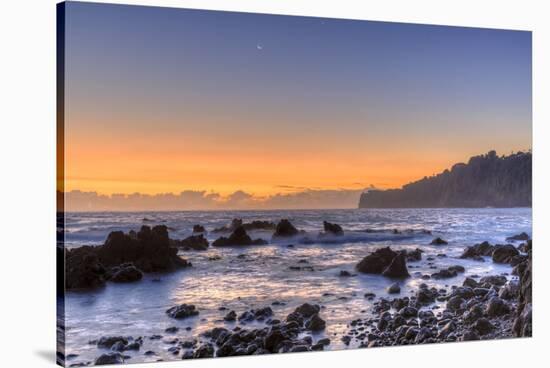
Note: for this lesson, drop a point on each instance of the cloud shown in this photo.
(203, 200)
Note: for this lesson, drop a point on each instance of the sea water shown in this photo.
(243, 278)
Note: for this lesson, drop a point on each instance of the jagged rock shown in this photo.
(109, 358)
(426, 296)
(509, 291)
(470, 336)
(182, 311)
(285, 229)
(478, 250)
(239, 237)
(497, 307)
(204, 351)
(504, 253)
(455, 303)
(199, 229)
(107, 342)
(483, 326)
(230, 316)
(523, 323)
(394, 288)
(83, 269)
(414, 255)
(334, 229)
(397, 268)
(526, 247)
(518, 237)
(126, 272)
(307, 310)
(377, 261)
(444, 274)
(315, 323)
(195, 242)
(438, 241)
(148, 250)
(497, 280)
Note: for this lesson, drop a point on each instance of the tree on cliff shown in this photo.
(485, 181)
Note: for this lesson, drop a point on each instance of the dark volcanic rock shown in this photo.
(394, 288)
(83, 269)
(397, 268)
(126, 272)
(307, 310)
(504, 253)
(448, 273)
(285, 229)
(148, 250)
(238, 237)
(518, 237)
(199, 229)
(110, 358)
(230, 316)
(438, 241)
(315, 323)
(414, 255)
(107, 342)
(425, 295)
(523, 323)
(235, 223)
(496, 307)
(377, 261)
(334, 229)
(195, 242)
(483, 326)
(478, 250)
(182, 311)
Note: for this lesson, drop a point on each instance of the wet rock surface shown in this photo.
(148, 250)
(193, 242)
(238, 237)
(386, 262)
(285, 229)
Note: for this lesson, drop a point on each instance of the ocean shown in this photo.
(243, 278)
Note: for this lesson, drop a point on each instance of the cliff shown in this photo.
(485, 181)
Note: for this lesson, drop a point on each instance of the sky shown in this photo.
(163, 101)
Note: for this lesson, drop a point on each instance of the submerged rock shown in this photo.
(414, 255)
(438, 241)
(110, 358)
(333, 229)
(394, 288)
(182, 311)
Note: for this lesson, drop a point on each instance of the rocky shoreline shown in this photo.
(481, 308)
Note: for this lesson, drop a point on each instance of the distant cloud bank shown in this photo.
(203, 200)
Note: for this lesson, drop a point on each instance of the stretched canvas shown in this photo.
(241, 184)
